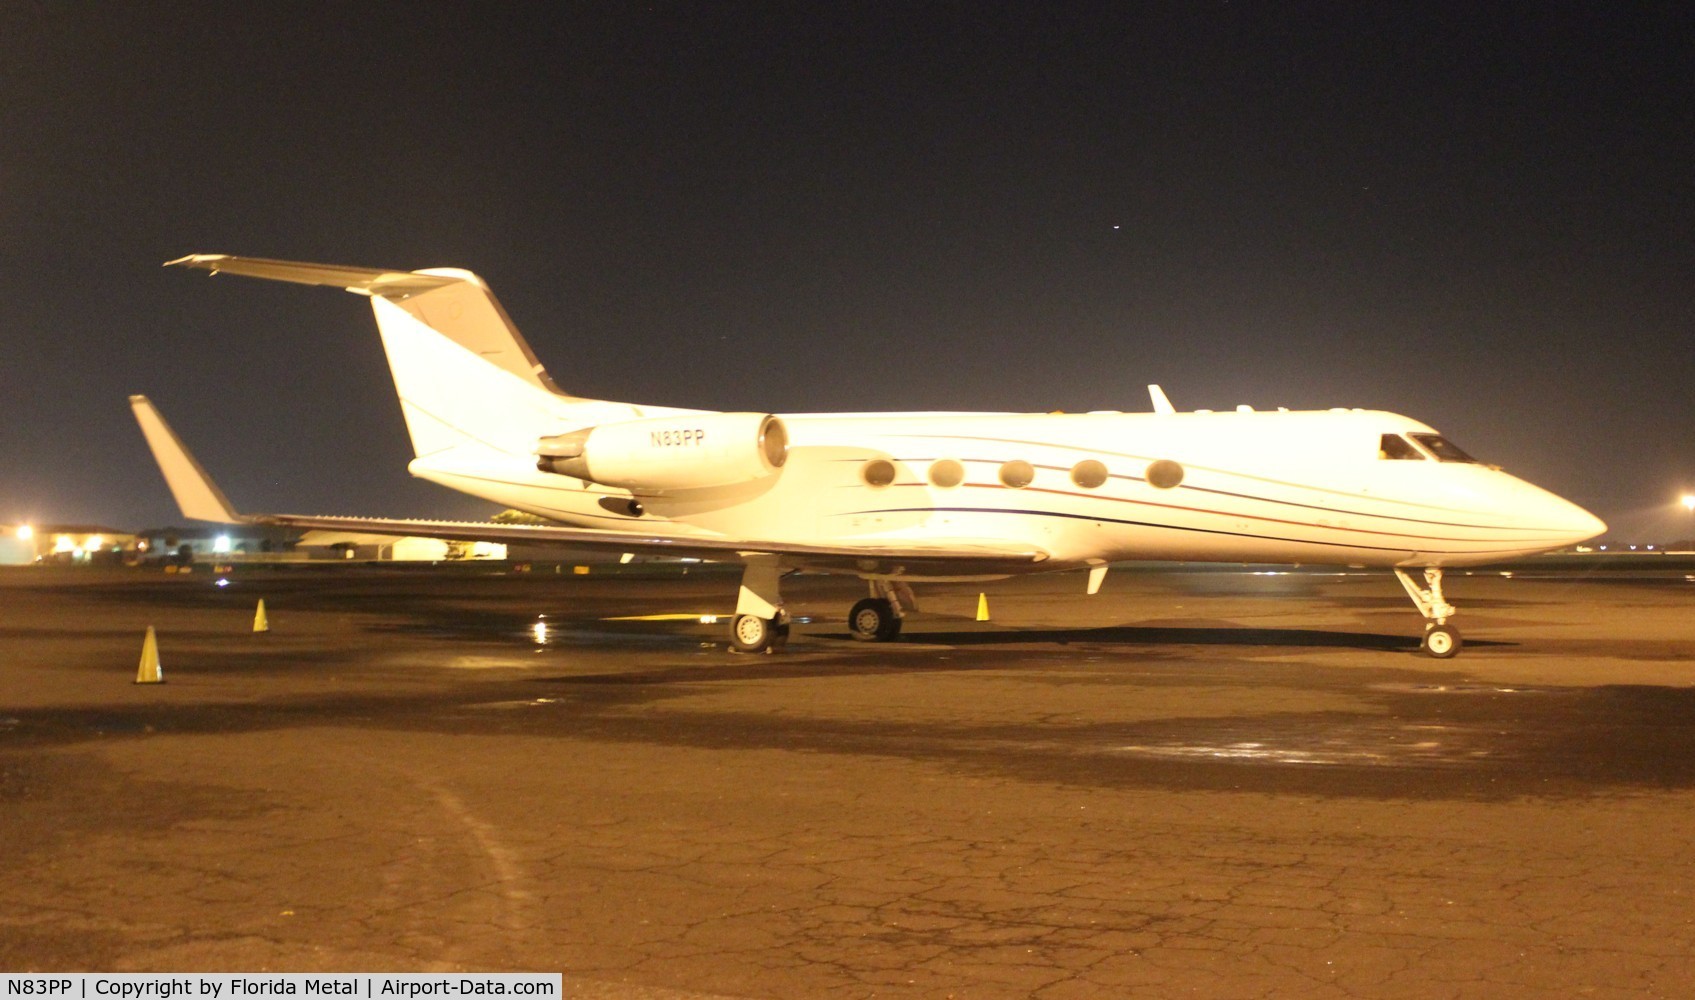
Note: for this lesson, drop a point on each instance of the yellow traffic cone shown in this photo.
(982, 607)
(260, 622)
(150, 672)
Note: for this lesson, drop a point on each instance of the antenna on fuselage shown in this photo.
(1161, 404)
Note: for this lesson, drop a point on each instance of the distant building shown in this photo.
(207, 544)
(63, 543)
(17, 544)
(384, 548)
(22, 544)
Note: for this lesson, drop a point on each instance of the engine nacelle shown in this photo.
(670, 453)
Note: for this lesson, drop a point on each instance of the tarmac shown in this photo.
(1196, 783)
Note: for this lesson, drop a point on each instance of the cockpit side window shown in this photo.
(1396, 449)
(1442, 448)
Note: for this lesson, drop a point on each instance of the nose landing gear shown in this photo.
(1441, 640)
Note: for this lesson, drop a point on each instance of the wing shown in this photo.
(200, 499)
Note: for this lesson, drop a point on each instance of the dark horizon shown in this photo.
(1477, 218)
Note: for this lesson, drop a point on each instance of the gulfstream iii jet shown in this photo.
(898, 498)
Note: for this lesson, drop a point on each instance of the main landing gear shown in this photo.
(762, 626)
(1441, 640)
(753, 634)
(878, 617)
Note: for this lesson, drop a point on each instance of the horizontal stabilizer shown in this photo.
(360, 280)
(199, 497)
(452, 302)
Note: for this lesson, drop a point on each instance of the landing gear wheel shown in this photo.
(873, 620)
(753, 634)
(1441, 641)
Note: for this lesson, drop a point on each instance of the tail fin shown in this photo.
(433, 322)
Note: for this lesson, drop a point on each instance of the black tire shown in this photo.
(873, 620)
(753, 634)
(1440, 641)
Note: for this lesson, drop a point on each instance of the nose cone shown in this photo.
(1584, 525)
(1549, 521)
(1566, 522)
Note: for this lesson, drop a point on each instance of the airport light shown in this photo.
(25, 532)
(1689, 502)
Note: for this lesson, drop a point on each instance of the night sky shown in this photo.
(1478, 215)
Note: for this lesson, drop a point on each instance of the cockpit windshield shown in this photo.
(1396, 449)
(1442, 448)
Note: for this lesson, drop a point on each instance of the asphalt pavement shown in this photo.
(1211, 783)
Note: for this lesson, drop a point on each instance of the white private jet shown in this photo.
(898, 498)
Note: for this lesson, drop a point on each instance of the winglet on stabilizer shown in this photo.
(1161, 404)
(199, 497)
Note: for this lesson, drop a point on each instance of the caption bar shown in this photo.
(251, 985)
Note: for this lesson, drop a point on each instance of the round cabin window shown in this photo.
(947, 472)
(1088, 474)
(878, 472)
(1164, 474)
(1018, 474)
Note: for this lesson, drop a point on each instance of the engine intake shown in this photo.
(693, 451)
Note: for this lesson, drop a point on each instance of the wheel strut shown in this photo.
(1441, 640)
